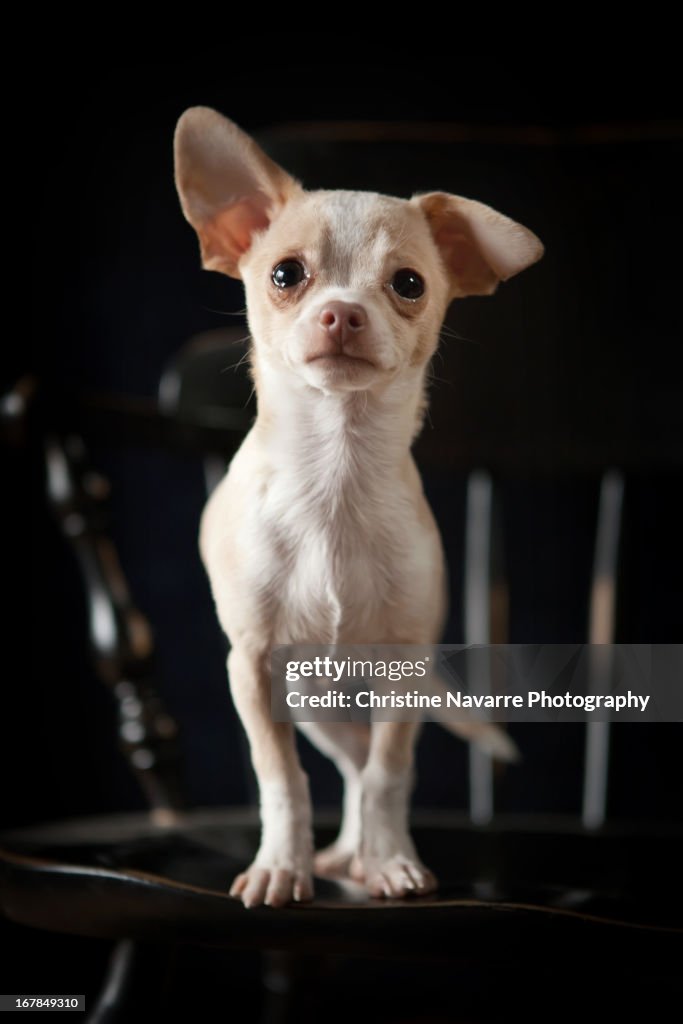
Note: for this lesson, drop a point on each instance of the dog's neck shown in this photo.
(329, 441)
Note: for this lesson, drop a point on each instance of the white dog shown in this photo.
(320, 531)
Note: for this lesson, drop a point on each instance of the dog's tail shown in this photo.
(488, 737)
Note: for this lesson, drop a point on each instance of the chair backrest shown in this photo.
(484, 575)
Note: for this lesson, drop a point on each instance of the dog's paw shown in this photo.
(393, 877)
(334, 861)
(272, 887)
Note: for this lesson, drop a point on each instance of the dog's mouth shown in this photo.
(338, 360)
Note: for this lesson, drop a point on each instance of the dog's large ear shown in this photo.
(228, 187)
(479, 246)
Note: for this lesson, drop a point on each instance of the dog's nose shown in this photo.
(340, 319)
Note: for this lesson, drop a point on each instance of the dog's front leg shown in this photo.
(387, 862)
(282, 868)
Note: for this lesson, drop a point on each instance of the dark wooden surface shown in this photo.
(514, 889)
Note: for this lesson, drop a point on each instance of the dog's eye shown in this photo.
(288, 274)
(408, 284)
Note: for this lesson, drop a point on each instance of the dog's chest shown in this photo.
(341, 565)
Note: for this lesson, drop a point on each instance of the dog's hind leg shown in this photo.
(348, 745)
(387, 862)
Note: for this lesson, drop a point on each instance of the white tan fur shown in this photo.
(320, 531)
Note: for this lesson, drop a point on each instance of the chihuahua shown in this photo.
(320, 531)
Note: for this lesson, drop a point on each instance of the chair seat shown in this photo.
(121, 876)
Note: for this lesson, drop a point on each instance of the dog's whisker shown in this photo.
(434, 379)
(244, 358)
(448, 332)
(225, 312)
